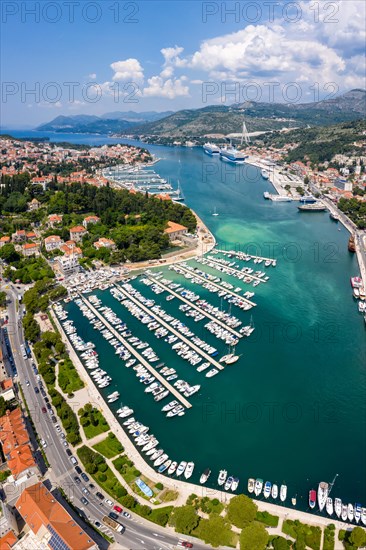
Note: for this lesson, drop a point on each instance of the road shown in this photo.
(139, 533)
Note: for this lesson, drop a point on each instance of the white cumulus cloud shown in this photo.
(170, 89)
(128, 70)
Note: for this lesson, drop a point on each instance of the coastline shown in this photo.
(184, 488)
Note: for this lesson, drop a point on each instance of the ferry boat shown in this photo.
(312, 207)
(264, 174)
(267, 489)
(312, 498)
(251, 483)
(230, 154)
(211, 149)
(205, 475)
(222, 477)
(323, 489)
(258, 487)
(283, 493)
(338, 507)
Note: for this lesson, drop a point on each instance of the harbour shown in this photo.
(291, 375)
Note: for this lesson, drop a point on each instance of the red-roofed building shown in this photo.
(90, 219)
(105, 243)
(8, 540)
(50, 522)
(4, 240)
(53, 242)
(77, 233)
(54, 219)
(19, 236)
(30, 249)
(175, 230)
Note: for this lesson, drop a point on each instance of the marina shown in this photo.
(303, 293)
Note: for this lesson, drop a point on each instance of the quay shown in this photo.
(219, 287)
(194, 306)
(171, 329)
(139, 357)
(236, 254)
(233, 270)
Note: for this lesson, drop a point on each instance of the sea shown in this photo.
(292, 409)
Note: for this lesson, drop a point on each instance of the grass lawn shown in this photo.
(168, 495)
(111, 485)
(95, 423)
(109, 447)
(267, 519)
(68, 377)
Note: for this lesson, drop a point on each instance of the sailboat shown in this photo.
(214, 212)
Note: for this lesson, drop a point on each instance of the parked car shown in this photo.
(68, 452)
(73, 460)
(126, 515)
(27, 382)
(108, 501)
(36, 389)
(54, 419)
(84, 501)
(187, 544)
(99, 495)
(77, 480)
(97, 523)
(44, 410)
(78, 469)
(85, 477)
(113, 515)
(91, 486)
(58, 427)
(85, 491)
(117, 509)
(43, 443)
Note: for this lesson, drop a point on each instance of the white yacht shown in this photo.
(189, 470)
(251, 483)
(205, 475)
(181, 468)
(222, 477)
(258, 487)
(323, 489)
(283, 493)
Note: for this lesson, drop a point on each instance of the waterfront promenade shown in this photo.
(91, 395)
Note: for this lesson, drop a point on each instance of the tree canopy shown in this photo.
(241, 510)
(184, 519)
(253, 537)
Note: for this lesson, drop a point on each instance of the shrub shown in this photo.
(102, 478)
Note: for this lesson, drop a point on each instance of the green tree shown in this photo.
(241, 510)
(280, 544)
(3, 406)
(358, 537)
(9, 254)
(253, 537)
(184, 519)
(215, 531)
(2, 299)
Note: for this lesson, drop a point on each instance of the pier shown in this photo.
(236, 254)
(219, 287)
(139, 357)
(232, 269)
(194, 306)
(172, 329)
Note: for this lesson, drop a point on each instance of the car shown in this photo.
(27, 382)
(36, 389)
(117, 509)
(44, 410)
(73, 460)
(99, 495)
(58, 428)
(91, 486)
(65, 443)
(84, 501)
(46, 400)
(77, 480)
(43, 393)
(62, 435)
(85, 477)
(54, 419)
(97, 523)
(68, 452)
(112, 515)
(186, 544)
(78, 469)
(38, 377)
(48, 405)
(126, 515)
(43, 443)
(86, 491)
(108, 501)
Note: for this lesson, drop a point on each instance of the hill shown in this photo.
(320, 144)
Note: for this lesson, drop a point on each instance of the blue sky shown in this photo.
(168, 55)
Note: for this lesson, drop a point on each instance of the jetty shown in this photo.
(219, 287)
(170, 328)
(135, 353)
(194, 306)
(231, 270)
(240, 253)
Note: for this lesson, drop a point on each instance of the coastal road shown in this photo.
(139, 533)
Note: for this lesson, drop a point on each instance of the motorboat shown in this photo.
(267, 489)
(189, 470)
(323, 489)
(228, 483)
(329, 506)
(181, 468)
(235, 484)
(258, 486)
(283, 493)
(338, 507)
(312, 498)
(222, 477)
(251, 483)
(172, 468)
(205, 475)
(274, 492)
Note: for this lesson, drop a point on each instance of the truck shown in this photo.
(113, 524)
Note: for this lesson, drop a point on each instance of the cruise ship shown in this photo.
(230, 154)
(211, 149)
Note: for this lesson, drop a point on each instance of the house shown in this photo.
(53, 242)
(33, 205)
(54, 219)
(90, 219)
(105, 243)
(19, 236)
(43, 180)
(50, 522)
(69, 247)
(31, 235)
(15, 443)
(4, 240)
(30, 249)
(175, 231)
(77, 233)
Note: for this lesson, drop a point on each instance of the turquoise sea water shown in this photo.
(293, 408)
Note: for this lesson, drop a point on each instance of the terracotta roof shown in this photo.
(13, 433)
(90, 218)
(28, 246)
(40, 509)
(77, 229)
(52, 238)
(20, 460)
(173, 227)
(8, 540)
(55, 217)
(5, 239)
(6, 384)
